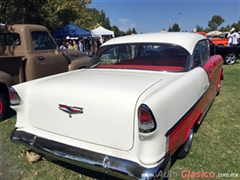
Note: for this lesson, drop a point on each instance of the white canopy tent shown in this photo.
(100, 31)
(214, 33)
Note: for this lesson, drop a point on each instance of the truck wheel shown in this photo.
(185, 148)
(3, 106)
(230, 59)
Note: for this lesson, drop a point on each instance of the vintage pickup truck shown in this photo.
(29, 52)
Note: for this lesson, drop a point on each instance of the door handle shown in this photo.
(40, 58)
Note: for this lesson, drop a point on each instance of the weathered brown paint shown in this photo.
(20, 63)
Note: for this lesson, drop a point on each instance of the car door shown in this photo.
(46, 59)
(211, 65)
(202, 58)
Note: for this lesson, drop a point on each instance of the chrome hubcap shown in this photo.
(230, 59)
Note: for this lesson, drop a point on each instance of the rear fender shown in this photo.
(196, 121)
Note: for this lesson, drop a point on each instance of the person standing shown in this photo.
(233, 38)
(94, 46)
(72, 45)
(63, 45)
(80, 44)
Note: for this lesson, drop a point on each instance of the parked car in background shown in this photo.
(229, 54)
(136, 104)
(220, 40)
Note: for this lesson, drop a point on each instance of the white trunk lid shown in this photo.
(107, 99)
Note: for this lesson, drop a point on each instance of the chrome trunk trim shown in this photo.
(103, 163)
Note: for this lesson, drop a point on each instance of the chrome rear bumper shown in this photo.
(110, 165)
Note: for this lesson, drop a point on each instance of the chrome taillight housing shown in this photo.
(146, 120)
(14, 97)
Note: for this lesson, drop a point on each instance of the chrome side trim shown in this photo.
(110, 165)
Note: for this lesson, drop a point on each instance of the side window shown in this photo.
(201, 53)
(196, 57)
(204, 51)
(10, 39)
(42, 41)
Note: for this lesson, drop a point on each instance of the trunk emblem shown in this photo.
(70, 109)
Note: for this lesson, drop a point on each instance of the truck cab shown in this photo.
(28, 52)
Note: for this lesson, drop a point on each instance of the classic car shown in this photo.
(126, 114)
(220, 40)
(229, 54)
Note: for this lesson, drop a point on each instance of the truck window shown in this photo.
(42, 41)
(10, 39)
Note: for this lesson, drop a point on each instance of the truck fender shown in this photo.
(79, 63)
(6, 79)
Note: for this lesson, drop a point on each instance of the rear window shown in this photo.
(145, 56)
(10, 39)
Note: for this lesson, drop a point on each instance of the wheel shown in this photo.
(230, 59)
(3, 106)
(185, 148)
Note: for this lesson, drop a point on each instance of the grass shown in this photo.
(215, 149)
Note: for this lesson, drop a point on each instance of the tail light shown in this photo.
(146, 120)
(14, 97)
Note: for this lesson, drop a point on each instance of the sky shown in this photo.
(154, 15)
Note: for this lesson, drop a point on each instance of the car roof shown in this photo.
(185, 39)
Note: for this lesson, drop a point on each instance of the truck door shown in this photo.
(45, 59)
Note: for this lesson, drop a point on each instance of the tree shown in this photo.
(129, 32)
(235, 25)
(225, 29)
(134, 31)
(52, 14)
(28, 11)
(175, 28)
(3, 10)
(59, 13)
(199, 28)
(215, 22)
(102, 20)
(116, 31)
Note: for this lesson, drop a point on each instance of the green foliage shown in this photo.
(27, 11)
(199, 28)
(131, 31)
(102, 20)
(175, 28)
(51, 13)
(134, 31)
(215, 22)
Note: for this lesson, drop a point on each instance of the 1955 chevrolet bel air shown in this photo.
(134, 106)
